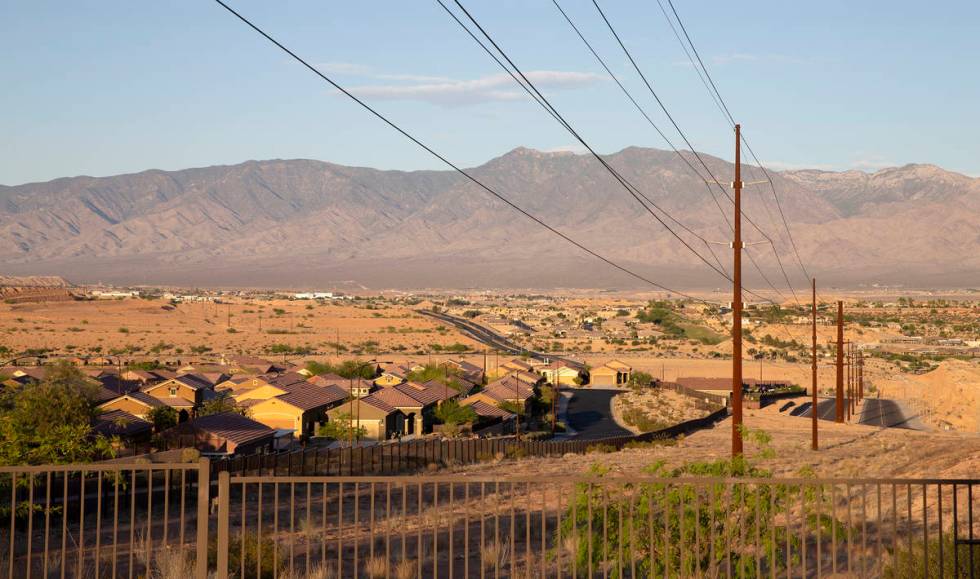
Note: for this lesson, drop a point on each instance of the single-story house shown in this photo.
(563, 373)
(415, 411)
(225, 433)
(299, 409)
(507, 389)
(612, 373)
(122, 424)
(135, 403)
(379, 419)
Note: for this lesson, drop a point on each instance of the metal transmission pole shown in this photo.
(737, 303)
(839, 395)
(813, 369)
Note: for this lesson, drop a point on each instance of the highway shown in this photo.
(483, 335)
(488, 337)
(588, 412)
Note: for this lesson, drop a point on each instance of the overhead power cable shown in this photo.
(663, 107)
(528, 86)
(449, 163)
(670, 143)
(716, 95)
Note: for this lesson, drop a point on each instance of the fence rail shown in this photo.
(553, 527)
(413, 456)
(142, 520)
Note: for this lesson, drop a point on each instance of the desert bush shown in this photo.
(247, 548)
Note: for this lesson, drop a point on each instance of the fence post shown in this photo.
(203, 500)
(224, 513)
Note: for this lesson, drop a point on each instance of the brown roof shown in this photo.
(488, 410)
(424, 393)
(325, 379)
(306, 396)
(141, 397)
(285, 380)
(194, 381)
(698, 383)
(120, 423)
(397, 398)
(512, 386)
(232, 427)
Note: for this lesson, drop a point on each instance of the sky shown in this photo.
(103, 87)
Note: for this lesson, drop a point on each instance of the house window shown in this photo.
(173, 391)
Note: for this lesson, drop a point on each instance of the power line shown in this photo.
(663, 107)
(664, 136)
(731, 119)
(643, 112)
(449, 163)
(536, 95)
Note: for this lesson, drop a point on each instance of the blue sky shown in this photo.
(106, 87)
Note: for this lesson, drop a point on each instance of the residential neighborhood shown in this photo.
(235, 405)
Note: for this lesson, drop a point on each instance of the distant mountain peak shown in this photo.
(303, 222)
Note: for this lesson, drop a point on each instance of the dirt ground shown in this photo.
(81, 327)
(845, 451)
(661, 407)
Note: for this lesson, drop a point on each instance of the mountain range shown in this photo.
(313, 224)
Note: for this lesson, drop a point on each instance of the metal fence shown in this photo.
(101, 520)
(590, 527)
(416, 455)
(175, 520)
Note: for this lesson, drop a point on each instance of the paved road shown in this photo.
(876, 412)
(826, 409)
(889, 414)
(590, 415)
(487, 336)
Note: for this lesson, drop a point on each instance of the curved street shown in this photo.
(590, 415)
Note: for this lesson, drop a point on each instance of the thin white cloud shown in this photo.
(495, 87)
(575, 148)
(871, 163)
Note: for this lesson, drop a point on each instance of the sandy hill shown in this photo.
(312, 223)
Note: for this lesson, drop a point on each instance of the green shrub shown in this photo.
(915, 562)
(248, 549)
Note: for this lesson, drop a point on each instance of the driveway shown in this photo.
(590, 415)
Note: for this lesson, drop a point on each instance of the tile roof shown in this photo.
(489, 411)
(120, 423)
(501, 390)
(397, 398)
(232, 427)
(143, 397)
(193, 381)
(424, 393)
(306, 396)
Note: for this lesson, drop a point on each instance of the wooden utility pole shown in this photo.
(860, 375)
(813, 369)
(737, 303)
(839, 394)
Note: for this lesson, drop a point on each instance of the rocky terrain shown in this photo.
(304, 223)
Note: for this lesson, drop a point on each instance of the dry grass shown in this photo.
(86, 325)
(493, 555)
(406, 569)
